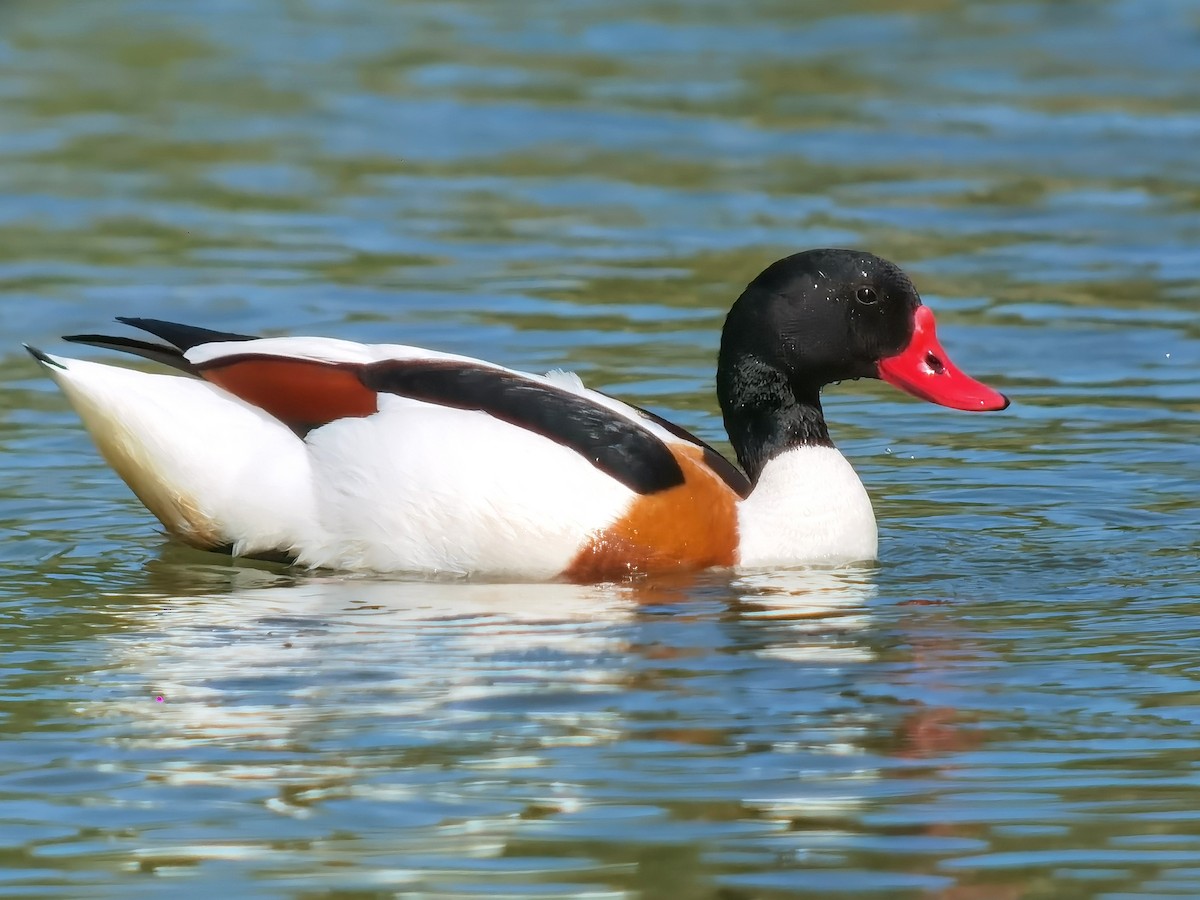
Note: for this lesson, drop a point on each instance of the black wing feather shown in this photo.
(185, 337)
(181, 338)
(159, 353)
(608, 440)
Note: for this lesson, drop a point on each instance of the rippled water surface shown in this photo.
(1008, 706)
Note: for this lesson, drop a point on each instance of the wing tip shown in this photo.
(84, 338)
(182, 337)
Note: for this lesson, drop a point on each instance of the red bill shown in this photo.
(924, 370)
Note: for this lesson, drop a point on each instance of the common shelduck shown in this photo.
(388, 458)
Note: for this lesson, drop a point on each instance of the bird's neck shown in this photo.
(767, 412)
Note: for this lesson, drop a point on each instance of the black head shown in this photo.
(822, 316)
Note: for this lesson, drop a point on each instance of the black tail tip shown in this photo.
(43, 358)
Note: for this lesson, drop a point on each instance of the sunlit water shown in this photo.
(1008, 706)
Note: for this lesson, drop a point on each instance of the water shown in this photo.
(1007, 706)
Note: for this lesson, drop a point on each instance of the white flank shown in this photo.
(419, 487)
(214, 470)
(807, 507)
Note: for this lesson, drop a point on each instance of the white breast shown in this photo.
(807, 507)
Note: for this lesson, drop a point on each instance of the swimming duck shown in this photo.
(389, 458)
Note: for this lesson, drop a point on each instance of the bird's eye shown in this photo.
(866, 295)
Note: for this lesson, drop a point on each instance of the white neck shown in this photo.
(807, 507)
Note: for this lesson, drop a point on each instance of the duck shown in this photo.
(385, 458)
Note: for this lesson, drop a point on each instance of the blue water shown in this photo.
(1007, 706)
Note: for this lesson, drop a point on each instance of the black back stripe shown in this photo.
(606, 439)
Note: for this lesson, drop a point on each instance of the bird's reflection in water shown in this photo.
(824, 611)
(262, 664)
(264, 658)
(487, 719)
